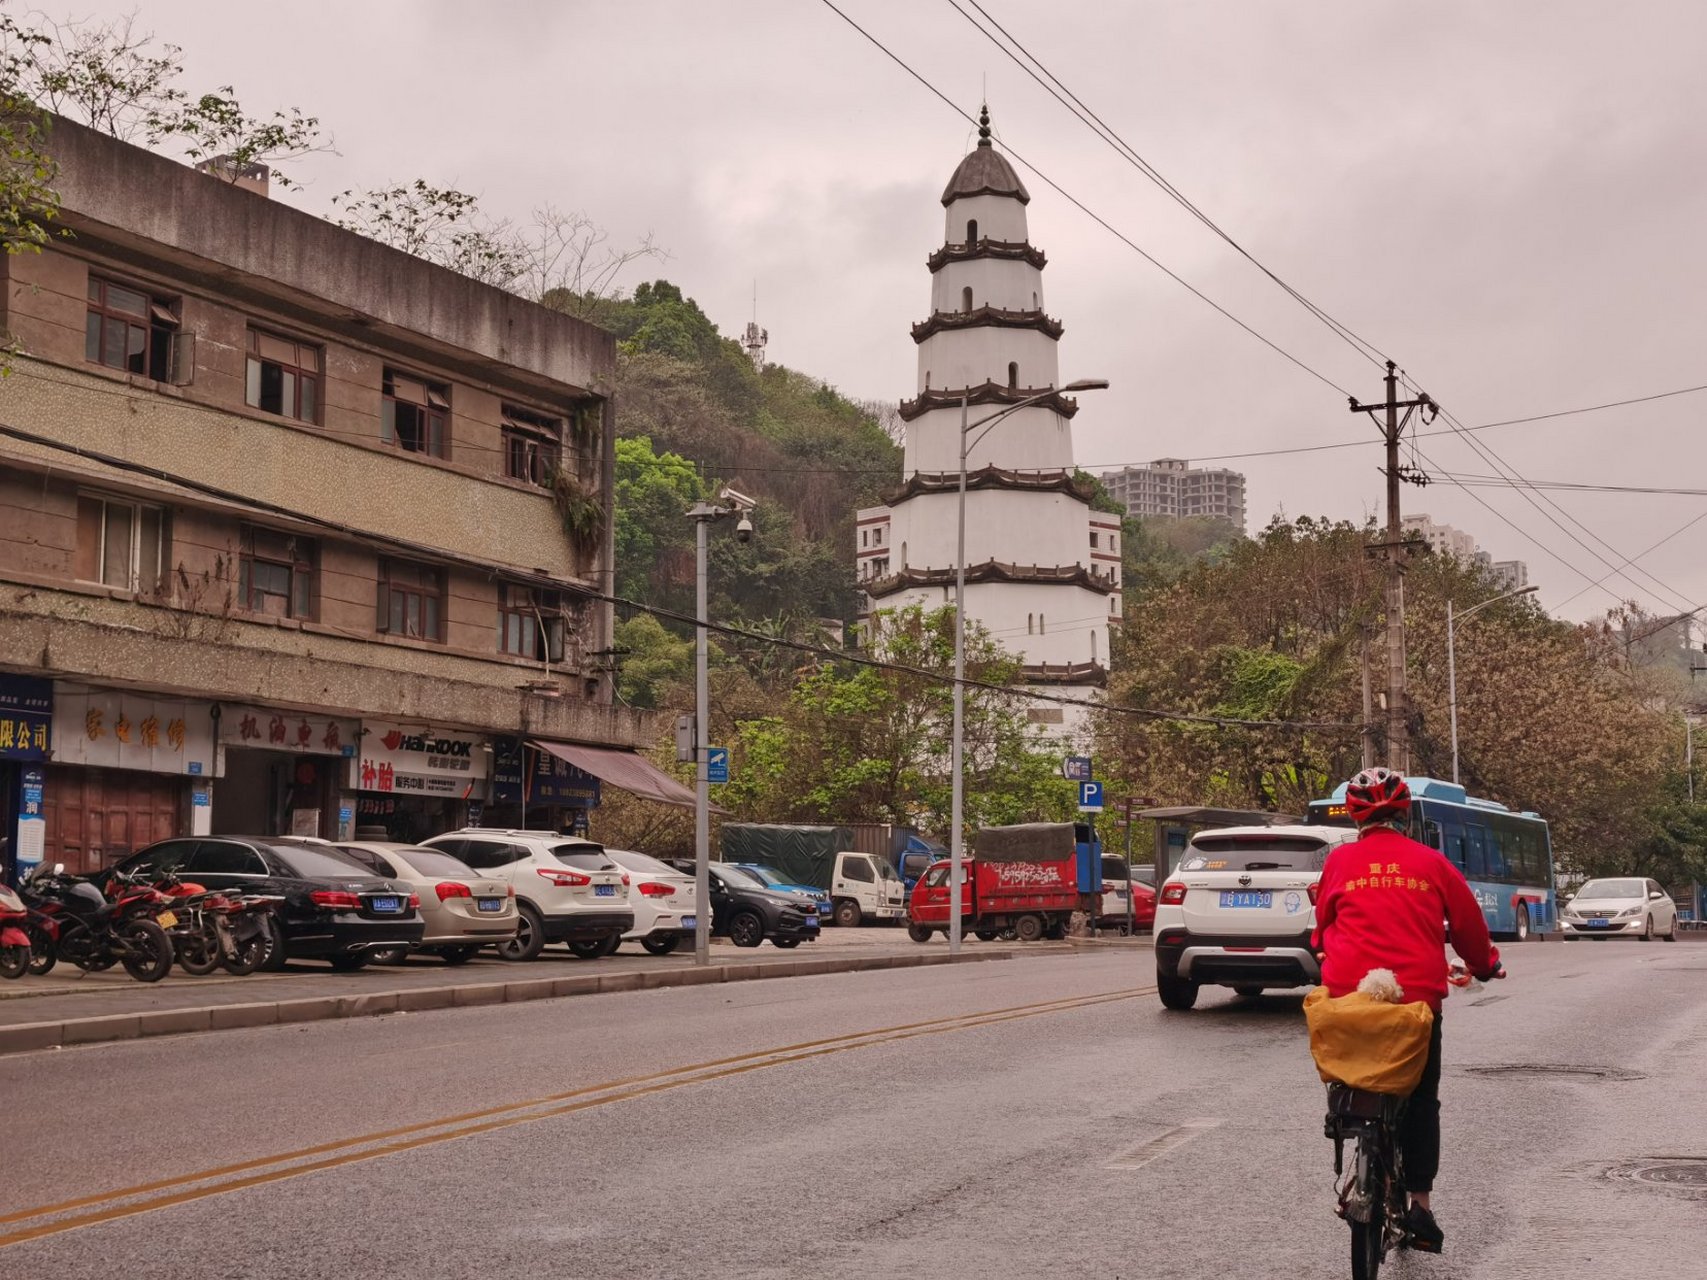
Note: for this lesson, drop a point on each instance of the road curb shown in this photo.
(27, 1037)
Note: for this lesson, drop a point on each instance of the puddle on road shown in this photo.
(1550, 1070)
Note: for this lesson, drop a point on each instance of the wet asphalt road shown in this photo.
(1106, 1139)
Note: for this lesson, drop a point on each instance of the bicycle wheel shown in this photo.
(1369, 1239)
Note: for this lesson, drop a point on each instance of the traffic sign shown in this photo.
(1076, 768)
(717, 764)
(1090, 797)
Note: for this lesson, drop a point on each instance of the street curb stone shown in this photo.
(26, 1037)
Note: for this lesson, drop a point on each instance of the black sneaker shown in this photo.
(1422, 1232)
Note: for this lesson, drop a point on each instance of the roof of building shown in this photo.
(985, 171)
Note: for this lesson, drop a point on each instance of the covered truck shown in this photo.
(1026, 878)
(863, 885)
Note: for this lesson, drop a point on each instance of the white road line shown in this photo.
(1160, 1146)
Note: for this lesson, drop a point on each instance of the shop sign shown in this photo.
(26, 717)
(509, 770)
(32, 822)
(417, 759)
(319, 735)
(555, 781)
(119, 730)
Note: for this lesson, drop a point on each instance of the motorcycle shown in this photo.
(73, 920)
(14, 940)
(219, 929)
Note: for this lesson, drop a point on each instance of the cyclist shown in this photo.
(1383, 903)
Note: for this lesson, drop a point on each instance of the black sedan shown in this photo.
(747, 912)
(334, 908)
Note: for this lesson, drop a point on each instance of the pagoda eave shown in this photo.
(992, 317)
(990, 392)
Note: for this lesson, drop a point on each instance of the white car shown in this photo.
(1239, 909)
(567, 889)
(1621, 907)
(662, 899)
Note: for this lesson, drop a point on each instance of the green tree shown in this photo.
(656, 664)
(654, 537)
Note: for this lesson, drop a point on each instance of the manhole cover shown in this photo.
(1673, 1173)
(1546, 1070)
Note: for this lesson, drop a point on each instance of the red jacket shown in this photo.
(1383, 903)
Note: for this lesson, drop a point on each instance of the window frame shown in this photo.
(433, 433)
(533, 618)
(160, 326)
(301, 594)
(395, 581)
(533, 439)
(256, 359)
(135, 578)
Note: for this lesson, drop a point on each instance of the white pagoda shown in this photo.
(1042, 568)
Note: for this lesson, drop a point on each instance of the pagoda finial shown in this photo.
(984, 125)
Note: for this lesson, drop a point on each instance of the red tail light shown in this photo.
(625, 879)
(414, 902)
(510, 891)
(335, 899)
(449, 889)
(1315, 888)
(1173, 895)
(652, 889)
(563, 879)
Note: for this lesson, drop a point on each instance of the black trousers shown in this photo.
(1419, 1131)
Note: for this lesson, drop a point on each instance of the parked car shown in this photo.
(1239, 910)
(463, 909)
(771, 878)
(334, 907)
(662, 899)
(1624, 906)
(1116, 912)
(746, 911)
(567, 889)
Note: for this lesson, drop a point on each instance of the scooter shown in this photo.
(76, 922)
(14, 942)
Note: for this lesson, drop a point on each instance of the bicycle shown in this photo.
(1372, 1196)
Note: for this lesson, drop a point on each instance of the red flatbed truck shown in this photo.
(1023, 878)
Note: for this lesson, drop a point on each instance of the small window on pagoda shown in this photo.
(1030, 624)
(1093, 646)
(1093, 539)
(966, 298)
(1013, 375)
(972, 231)
(1042, 627)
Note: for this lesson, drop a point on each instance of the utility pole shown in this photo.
(1367, 733)
(1398, 727)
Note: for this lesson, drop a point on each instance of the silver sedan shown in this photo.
(1625, 906)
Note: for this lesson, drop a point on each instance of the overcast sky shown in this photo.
(1509, 199)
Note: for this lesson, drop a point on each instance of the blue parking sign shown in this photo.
(717, 764)
(1090, 797)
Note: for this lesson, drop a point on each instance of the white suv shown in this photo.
(567, 889)
(662, 899)
(1239, 909)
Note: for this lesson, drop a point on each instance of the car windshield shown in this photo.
(314, 862)
(583, 857)
(739, 879)
(1254, 853)
(644, 863)
(1613, 889)
(765, 876)
(432, 862)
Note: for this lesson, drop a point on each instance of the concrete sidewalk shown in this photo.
(69, 1007)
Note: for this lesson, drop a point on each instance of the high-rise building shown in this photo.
(1173, 487)
(1442, 539)
(1042, 568)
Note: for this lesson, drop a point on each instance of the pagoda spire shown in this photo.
(984, 125)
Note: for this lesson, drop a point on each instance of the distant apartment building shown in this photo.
(1509, 575)
(1173, 487)
(279, 547)
(1443, 539)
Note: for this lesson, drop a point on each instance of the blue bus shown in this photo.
(1507, 857)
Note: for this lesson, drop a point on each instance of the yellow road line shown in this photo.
(469, 1124)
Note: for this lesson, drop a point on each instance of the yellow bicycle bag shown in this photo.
(1366, 1043)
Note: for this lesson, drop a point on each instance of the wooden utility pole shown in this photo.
(1393, 548)
(1368, 732)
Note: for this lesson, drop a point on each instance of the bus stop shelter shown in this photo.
(1174, 826)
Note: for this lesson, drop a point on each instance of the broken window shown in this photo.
(532, 445)
(129, 329)
(411, 600)
(275, 573)
(414, 414)
(530, 622)
(283, 376)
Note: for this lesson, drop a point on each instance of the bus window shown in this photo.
(1500, 854)
(1431, 835)
(1476, 854)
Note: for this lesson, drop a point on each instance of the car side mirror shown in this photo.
(1655, 896)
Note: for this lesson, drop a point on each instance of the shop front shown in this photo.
(26, 738)
(534, 789)
(128, 769)
(413, 780)
(284, 773)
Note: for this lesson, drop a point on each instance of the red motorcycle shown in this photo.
(74, 921)
(218, 929)
(14, 941)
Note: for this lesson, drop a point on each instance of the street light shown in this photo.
(1452, 661)
(957, 751)
(702, 514)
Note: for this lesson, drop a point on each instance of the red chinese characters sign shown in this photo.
(307, 733)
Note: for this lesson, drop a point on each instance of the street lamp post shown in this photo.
(957, 746)
(1452, 661)
(702, 514)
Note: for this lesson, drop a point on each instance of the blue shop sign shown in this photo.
(26, 717)
(554, 781)
(509, 771)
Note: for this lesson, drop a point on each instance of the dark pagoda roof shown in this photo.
(1079, 673)
(986, 393)
(1074, 575)
(985, 171)
(1013, 250)
(980, 317)
(991, 477)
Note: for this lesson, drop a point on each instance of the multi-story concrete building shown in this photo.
(1042, 568)
(297, 531)
(1442, 539)
(1173, 487)
(1509, 575)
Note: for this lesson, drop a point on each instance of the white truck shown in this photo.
(862, 886)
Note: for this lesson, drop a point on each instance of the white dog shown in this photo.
(1383, 984)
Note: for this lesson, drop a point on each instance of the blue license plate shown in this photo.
(689, 922)
(1599, 924)
(1262, 898)
(385, 904)
(490, 904)
(604, 891)
(811, 922)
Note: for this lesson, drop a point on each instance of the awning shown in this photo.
(623, 769)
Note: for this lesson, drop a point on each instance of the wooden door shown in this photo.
(96, 817)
